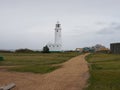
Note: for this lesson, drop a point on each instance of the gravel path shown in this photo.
(72, 76)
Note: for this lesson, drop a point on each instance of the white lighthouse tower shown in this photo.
(57, 46)
(58, 39)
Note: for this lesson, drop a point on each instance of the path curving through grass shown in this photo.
(72, 75)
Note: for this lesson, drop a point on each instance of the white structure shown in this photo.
(57, 46)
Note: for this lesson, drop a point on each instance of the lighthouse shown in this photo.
(57, 45)
(58, 39)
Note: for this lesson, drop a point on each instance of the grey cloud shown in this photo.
(108, 23)
(114, 28)
(100, 23)
(114, 23)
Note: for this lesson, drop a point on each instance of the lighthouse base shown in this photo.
(54, 47)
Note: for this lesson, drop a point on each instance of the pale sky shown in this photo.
(30, 23)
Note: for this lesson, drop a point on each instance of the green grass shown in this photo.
(35, 69)
(104, 71)
(35, 62)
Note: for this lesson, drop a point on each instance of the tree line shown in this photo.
(26, 50)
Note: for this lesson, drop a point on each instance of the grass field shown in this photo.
(35, 62)
(104, 71)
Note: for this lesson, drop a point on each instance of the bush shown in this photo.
(5, 51)
(24, 51)
(1, 58)
(103, 51)
(45, 49)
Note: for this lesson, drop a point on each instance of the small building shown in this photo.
(115, 48)
(79, 49)
(54, 47)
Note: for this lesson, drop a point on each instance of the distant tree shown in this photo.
(24, 51)
(45, 49)
(5, 51)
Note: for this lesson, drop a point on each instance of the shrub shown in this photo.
(1, 58)
(45, 49)
(24, 51)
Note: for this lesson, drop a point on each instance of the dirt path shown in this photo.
(72, 76)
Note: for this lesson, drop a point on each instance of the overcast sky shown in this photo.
(30, 23)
